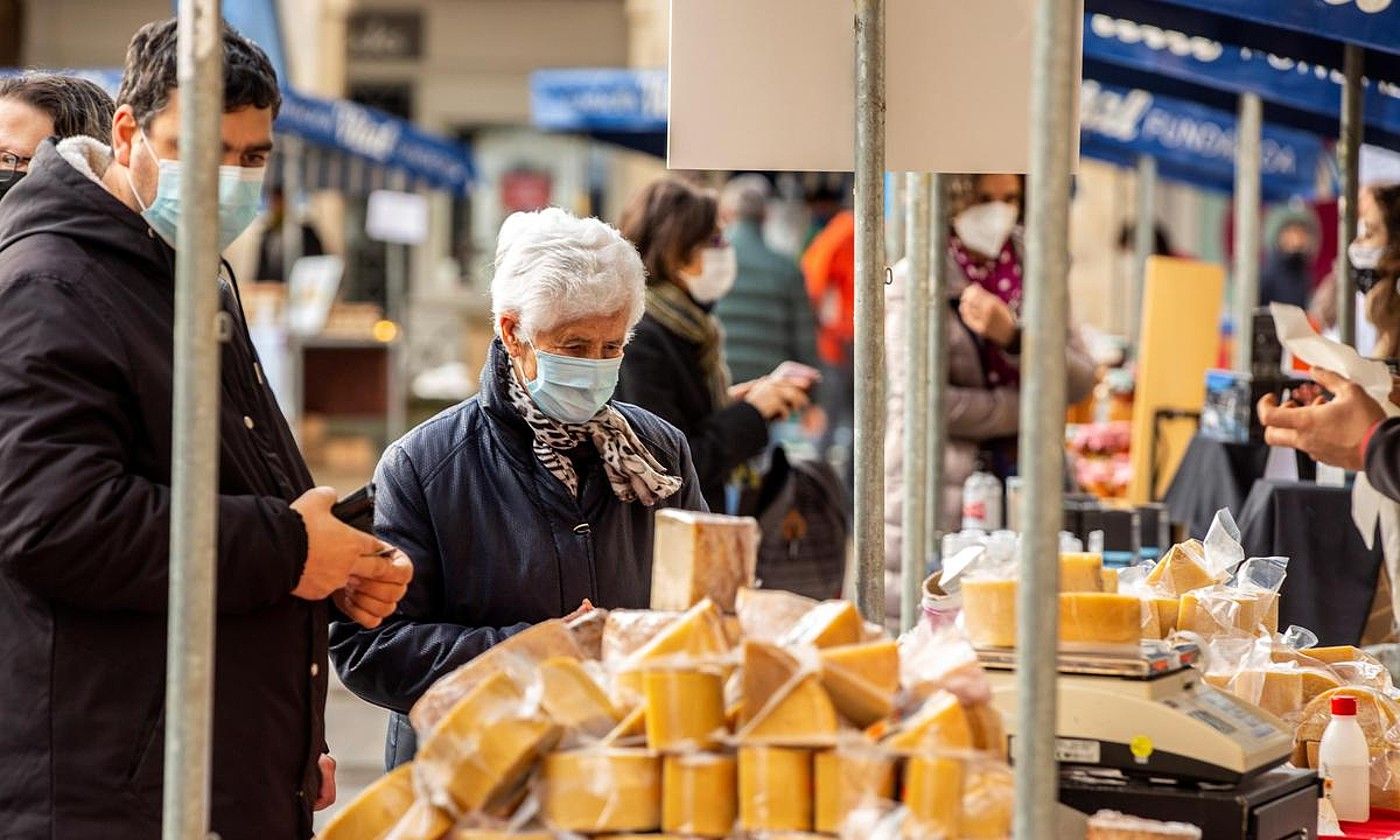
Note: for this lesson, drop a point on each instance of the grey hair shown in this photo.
(553, 267)
(746, 197)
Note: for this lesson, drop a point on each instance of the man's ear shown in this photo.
(508, 326)
(124, 131)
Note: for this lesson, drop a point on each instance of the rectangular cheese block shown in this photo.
(775, 789)
(1182, 570)
(1277, 691)
(933, 793)
(684, 709)
(700, 794)
(1101, 618)
(1333, 655)
(1081, 572)
(701, 555)
(989, 611)
(848, 779)
(592, 791)
(1221, 609)
(1110, 580)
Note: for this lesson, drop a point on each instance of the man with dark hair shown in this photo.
(34, 106)
(87, 306)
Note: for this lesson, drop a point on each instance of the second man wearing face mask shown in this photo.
(675, 366)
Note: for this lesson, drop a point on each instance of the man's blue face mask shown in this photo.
(572, 390)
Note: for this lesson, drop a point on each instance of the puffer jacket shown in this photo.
(497, 544)
(977, 412)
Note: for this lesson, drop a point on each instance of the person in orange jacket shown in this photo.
(829, 266)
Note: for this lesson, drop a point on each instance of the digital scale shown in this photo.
(1140, 732)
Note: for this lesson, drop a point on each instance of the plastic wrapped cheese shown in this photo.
(1182, 570)
(1111, 825)
(767, 670)
(700, 555)
(775, 789)
(700, 795)
(574, 700)
(829, 624)
(1220, 610)
(484, 747)
(988, 802)
(989, 611)
(696, 637)
(598, 790)
(877, 663)
(847, 779)
(1081, 572)
(767, 615)
(684, 709)
(376, 810)
(1102, 618)
(422, 821)
(940, 724)
(801, 716)
(933, 793)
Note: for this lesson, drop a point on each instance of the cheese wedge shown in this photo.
(684, 709)
(875, 662)
(1101, 618)
(376, 810)
(989, 612)
(1081, 572)
(803, 716)
(829, 624)
(775, 789)
(1339, 653)
(700, 794)
(422, 822)
(1182, 570)
(633, 726)
(701, 555)
(574, 700)
(1167, 610)
(847, 780)
(698, 635)
(855, 698)
(767, 671)
(519, 654)
(592, 791)
(933, 793)
(940, 724)
(485, 746)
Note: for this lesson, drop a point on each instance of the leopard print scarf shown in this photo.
(633, 472)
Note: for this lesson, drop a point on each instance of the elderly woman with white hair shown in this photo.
(534, 499)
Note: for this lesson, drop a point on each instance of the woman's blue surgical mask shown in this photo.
(572, 390)
(240, 197)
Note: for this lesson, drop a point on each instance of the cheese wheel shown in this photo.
(847, 780)
(933, 793)
(485, 746)
(1080, 572)
(684, 709)
(375, 810)
(775, 789)
(1100, 618)
(701, 555)
(599, 790)
(700, 794)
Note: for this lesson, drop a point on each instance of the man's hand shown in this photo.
(340, 558)
(1330, 432)
(326, 798)
(775, 399)
(583, 609)
(986, 314)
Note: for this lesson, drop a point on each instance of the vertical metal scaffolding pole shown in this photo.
(870, 309)
(937, 352)
(1144, 239)
(1349, 159)
(195, 458)
(917, 314)
(896, 224)
(1054, 90)
(1247, 190)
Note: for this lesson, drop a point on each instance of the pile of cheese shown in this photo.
(1109, 607)
(786, 720)
(1378, 712)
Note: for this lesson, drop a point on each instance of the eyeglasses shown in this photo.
(11, 163)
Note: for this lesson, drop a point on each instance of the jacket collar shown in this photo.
(493, 396)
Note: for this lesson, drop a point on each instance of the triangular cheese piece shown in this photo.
(940, 724)
(803, 715)
(574, 700)
(855, 698)
(829, 624)
(634, 725)
(767, 671)
(875, 662)
(698, 632)
(376, 810)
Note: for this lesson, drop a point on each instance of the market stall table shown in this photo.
(1331, 574)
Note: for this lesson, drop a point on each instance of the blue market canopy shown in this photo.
(625, 107)
(351, 147)
(1199, 69)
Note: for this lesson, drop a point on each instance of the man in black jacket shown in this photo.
(87, 307)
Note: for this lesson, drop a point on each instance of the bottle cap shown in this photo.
(1345, 706)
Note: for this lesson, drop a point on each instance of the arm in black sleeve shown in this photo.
(1383, 459)
(77, 524)
(719, 442)
(395, 663)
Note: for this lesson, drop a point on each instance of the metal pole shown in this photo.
(189, 691)
(1144, 239)
(895, 224)
(1247, 173)
(917, 315)
(1349, 154)
(937, 352)
(1055, 73)
(870, 309)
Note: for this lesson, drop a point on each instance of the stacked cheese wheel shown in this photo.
(785, 721)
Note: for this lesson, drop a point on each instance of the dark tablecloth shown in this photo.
(1331, 574)
(1215, 475)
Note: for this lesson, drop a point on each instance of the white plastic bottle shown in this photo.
(1344, 762)
(981, 501)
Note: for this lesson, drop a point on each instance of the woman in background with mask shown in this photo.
(533, 499)
(985, 269)
(1375, 257)
(675, 365)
